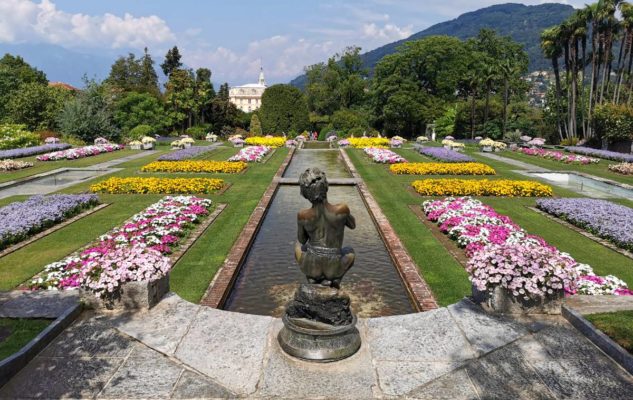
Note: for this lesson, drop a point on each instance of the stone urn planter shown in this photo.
(186, 145)
(148, 146)
(487, 149)
(132, 296)
(135, 146)
(501, 301)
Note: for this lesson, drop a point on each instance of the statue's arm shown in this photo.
(302, 234)
(350, 222)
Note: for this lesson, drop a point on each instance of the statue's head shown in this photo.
(313, 185)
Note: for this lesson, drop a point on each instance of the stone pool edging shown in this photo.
(604, 342)
(417, 288)
(11, 365)
(218, 289)
(51, 230)
(583, 232)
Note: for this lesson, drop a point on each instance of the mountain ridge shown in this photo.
(504, 18)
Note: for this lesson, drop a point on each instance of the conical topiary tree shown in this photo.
(256, 126)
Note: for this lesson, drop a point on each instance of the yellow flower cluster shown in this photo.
(195, 166)
(157, 185)
(442, 169)
(266, 141)
(484, 187)
(361, 143)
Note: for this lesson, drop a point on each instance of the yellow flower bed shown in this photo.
(157, 185)
(442, 169)
(264, 141)
(483, 187)
(361, 143)
(195, 166)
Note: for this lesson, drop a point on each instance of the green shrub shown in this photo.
(512, 136)
(197, 132)
(72, 140)
(613, 122)
(569, 142)
(14, 136)
(139, 131)
(324, 131)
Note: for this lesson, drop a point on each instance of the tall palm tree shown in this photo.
(506, 71)
(553, 50)
(489, 77)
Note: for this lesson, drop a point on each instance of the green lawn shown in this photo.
(45, 166)
(193, 273)
(17, 333)
(446, 277)
(617, 325)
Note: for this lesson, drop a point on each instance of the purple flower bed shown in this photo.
(21, 220)
(609, 155)
(185, 154)
(32, 151)
(605, 219)
(446, 155)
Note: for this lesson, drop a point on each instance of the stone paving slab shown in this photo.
(41, 304)
(483, 331)
(164, 327)
(431, 336)
(228, 347)
(453, 353)
(453, 386)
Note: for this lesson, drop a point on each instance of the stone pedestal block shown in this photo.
(501, 301)
(132, 296)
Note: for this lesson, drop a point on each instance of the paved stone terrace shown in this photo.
(181, 350)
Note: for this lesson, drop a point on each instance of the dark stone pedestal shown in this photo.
(319, 325)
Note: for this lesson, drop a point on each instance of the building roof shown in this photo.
(252, 85)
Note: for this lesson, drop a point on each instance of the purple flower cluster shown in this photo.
(32, 151)
(609, 155)
(446, 155)
(185, 154)
(605, 219)
(23, 219)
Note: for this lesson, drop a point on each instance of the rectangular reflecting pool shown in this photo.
(585, 185)
(269, 275)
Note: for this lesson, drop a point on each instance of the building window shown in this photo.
(249, 108)
(249, 101)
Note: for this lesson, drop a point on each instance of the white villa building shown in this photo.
(248, 97)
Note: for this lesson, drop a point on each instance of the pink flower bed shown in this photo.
(135, 251)
(80, 152)
(559, 156)
(251, 154)
(501, 253)
(383, 156)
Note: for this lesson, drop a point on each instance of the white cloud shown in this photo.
(28, 21)
(387, 32)
(282, 57)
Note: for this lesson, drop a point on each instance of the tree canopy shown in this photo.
(284, 109)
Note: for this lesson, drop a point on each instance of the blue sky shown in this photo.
(229, 37)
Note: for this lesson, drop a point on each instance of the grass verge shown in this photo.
(617, 325)
(18, 332)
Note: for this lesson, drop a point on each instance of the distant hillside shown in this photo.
(523, 23)
(60, 64)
